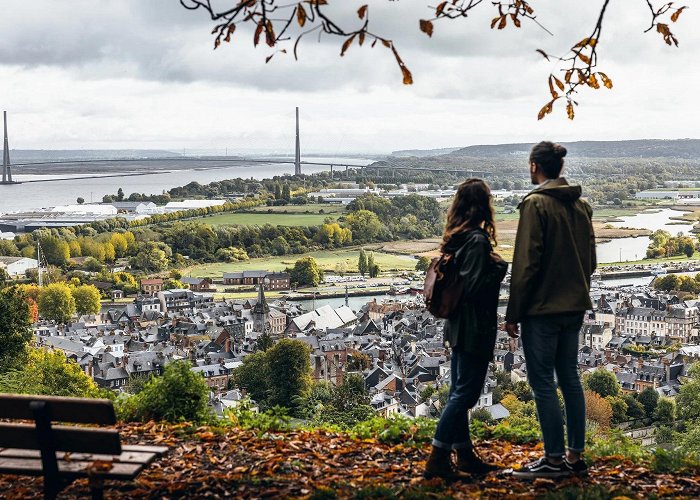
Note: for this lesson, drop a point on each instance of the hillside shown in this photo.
(642, 148)
(206, 462)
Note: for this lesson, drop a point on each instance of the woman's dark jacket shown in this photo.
(473, 326)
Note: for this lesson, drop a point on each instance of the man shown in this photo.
(549, 293)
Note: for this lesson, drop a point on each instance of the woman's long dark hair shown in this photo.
(470, 208)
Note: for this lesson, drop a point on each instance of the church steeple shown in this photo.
(261, 310)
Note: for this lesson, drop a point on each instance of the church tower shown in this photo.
(261, 312)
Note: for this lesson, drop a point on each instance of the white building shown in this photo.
(18, 266)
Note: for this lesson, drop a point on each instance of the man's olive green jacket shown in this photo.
(554, 253)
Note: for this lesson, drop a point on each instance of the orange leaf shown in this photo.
(570, 110)
(515, 19)
(407, 76)
(301, 15)
(559, 83)
(361, 38)
(426, 27)
(362, 11)
(346, 45)
(441, 6)
(585, 58)
(593, 81)
(258, 32)
(494, 21)
(503, 22)
(674, 16)
(607, 82)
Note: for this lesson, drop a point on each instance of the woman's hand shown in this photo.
(497, 259)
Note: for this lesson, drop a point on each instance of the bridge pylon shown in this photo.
(297, 150)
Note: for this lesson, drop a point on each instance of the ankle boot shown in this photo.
(468, 461)
(440, 465)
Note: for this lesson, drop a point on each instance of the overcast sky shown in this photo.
(142, 74)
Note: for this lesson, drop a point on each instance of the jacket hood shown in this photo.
(458, 240)
(559, 189)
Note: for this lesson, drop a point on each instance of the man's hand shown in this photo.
(513, 330)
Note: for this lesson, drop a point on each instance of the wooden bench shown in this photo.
(64, 453)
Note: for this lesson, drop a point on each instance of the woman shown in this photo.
(471, 331)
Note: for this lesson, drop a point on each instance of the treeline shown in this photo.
(664, 245)
(676, 283)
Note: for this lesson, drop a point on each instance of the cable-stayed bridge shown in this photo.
(377, 168)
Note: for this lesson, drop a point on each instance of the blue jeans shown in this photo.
(468, 373)
(551, 345)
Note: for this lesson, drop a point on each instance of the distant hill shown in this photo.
(423, 152)
(641, 148)
(28, 155)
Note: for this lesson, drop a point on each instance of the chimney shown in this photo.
(667, 366)
(227, 344)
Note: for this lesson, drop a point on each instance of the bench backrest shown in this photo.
(59, 409)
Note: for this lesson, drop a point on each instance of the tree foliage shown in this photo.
(15, 327)
(306, 272)
(56, 303)
(87, 299)
(49, 372)
(598, 410)
(602, 382)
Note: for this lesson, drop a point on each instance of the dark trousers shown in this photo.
(468, 373)
(551, 346)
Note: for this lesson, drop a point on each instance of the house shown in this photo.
(151, 286)
(272, 281)
(197, 284)
(18, 266)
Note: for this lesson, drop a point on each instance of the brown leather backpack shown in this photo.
(442, 289)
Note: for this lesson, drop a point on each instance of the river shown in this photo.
(633, 249)
(34, 195)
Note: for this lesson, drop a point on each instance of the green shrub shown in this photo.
(245, 417)
(396, 429)
(615, 444)
(179, 395)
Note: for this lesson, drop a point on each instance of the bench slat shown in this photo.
(158, 450)
(133, 457)
(61, 409)
(32, 467)
(74, 439)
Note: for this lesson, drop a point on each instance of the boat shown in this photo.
(658, 271)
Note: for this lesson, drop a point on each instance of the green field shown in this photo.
(327, 260)
(260, 219)
(313, 208)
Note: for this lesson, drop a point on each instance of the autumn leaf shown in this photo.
(593, 81)
(675, 15)
(258, 32)
(607, 82)
(515, 19)
(361, 38)
(570, 110)
(426, 27)
(503, 22)
(346, 45)
(585, 58)
(559, 83)
(407, 76)
(544, 54)
(301, 15)
(269, 34)
(362, 11)
(440, 8)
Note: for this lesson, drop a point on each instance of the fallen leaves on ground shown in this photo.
(207, 462)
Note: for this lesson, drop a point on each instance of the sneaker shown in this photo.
(542, 468)
(577, 468)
